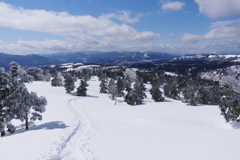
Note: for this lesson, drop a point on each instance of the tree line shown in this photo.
(17, 103)
(130, 84)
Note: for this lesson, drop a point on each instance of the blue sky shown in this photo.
(169, 26)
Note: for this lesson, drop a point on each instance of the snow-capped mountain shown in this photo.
(207, 57)
(104, 58)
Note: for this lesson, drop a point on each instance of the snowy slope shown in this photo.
(93, 128)
(229, 75)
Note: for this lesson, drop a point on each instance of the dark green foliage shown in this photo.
(112, 89)
(139, 90)
(103, 86)
(127, 83)
(120, 87)
(171, 89)
(57, 80)
(155, 91)
(69, 83)
(130, 98)
(230, 106)
(82, 90)
(4, 91)
(190, 92)
(86, 74)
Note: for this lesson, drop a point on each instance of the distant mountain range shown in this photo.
(223, 68)
(25, 60)
(105, 58)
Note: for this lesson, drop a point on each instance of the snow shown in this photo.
(93, 128)
(171, 73)
(52, 66)
(86, 67)
(66, 66)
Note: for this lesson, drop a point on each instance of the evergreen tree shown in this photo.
(57, 79)
(86, 74)
(127, 83)
(190, 94)
(112, 88)
(101, 75)
(47, 76)
(18, 102)
(82, 90)
(103, 86)
(139, 89)
(38, 75)
(4, 91)
(120, 87)
(131, 97)
(68, 83)
(155, 91)
(230, 106)
(171, 87)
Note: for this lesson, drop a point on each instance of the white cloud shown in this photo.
(220, 30)
(64, 24)
(221, 23)
(124, 17)
(173, 6)
(90, 44)
(219, 8)
(190, 38)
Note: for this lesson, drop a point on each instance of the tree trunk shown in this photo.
(2, 133)
(26, 121)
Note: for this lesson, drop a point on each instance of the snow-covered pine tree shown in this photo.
(155, 90)
(47, 75)
(112, 89)
(103, 86)
(4, 91)
(190, 93)
(139, 90)
(101, 74)
(86, 74)
(120, 87)
(230, 106)
(171, 87)
(19, 101)
(37, 104)
(127, 83)
(82, 90)
(38, 75)
(68, 83)
(24, 76)
(57, 79)
(130, 97)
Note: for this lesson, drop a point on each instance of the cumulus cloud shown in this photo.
(124, 17)
(219, 30)
(219, 8)
(64, 24)
(172, 6)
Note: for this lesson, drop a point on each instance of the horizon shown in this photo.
(164, 26)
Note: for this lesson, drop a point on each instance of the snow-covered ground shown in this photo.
(94, 128)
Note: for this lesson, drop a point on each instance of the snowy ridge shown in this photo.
(229, 75)
(207, 57)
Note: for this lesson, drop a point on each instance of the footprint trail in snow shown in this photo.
(73, 146)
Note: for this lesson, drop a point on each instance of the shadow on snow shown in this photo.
(33, 127)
